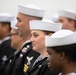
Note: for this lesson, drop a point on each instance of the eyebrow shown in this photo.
(18, 18)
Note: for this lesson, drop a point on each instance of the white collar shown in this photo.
(45, 56)
(25, 43)
(73, 73)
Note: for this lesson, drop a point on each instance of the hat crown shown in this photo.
(5, 14)
(61, 38)
(32, 6)
(31, 10)
(13, 24)
(47, 20)
(70, 11)
(54, 18)
(68, 14)
(46, 25)
(6, 17)
(61, 33)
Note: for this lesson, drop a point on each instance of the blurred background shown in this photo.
(51, 6)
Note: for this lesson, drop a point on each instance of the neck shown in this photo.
(69, 68)
(3, 36)
(26, 37)
(44, 53)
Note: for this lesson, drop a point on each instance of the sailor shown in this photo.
(5, 45)
(62, 52)
(40, 28)
(68, 19)
(26, 56)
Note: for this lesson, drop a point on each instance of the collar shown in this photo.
(39, 59)
(73, 73)
(45, 56)
(6, 38)
(25, 43)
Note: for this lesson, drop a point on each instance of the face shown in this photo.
(53, 60)
(65, 22)
(23, 24)
(2, 29)
(38, 40)
(15, 39)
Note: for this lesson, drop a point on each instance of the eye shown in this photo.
(35, 35)
(61, 21)
(19, 20)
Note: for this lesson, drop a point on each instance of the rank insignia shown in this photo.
(29, 60)
(28, 46)
(24, 49)
(4, 58)
(25, 67)
(40, 66)
(10, 60)
(21, 55)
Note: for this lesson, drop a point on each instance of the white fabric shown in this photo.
(45, 25)
(54, 18)
(60, 38)
(73, 73)
(13, 25)
(68, 14)
(47, 20)
(6, 17)
(31, 10)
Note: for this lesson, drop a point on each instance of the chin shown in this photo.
(34, 48)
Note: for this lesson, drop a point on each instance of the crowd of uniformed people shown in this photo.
(33, 45)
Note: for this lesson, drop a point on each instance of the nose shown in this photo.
(31, 39)
(17, 24)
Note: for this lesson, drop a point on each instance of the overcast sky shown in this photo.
(51, 6)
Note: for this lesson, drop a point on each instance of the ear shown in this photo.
(72, 23)
(62, 56)
(6, 27)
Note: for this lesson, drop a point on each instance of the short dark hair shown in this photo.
(69, 50)
(72, 20)
(7, 23)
